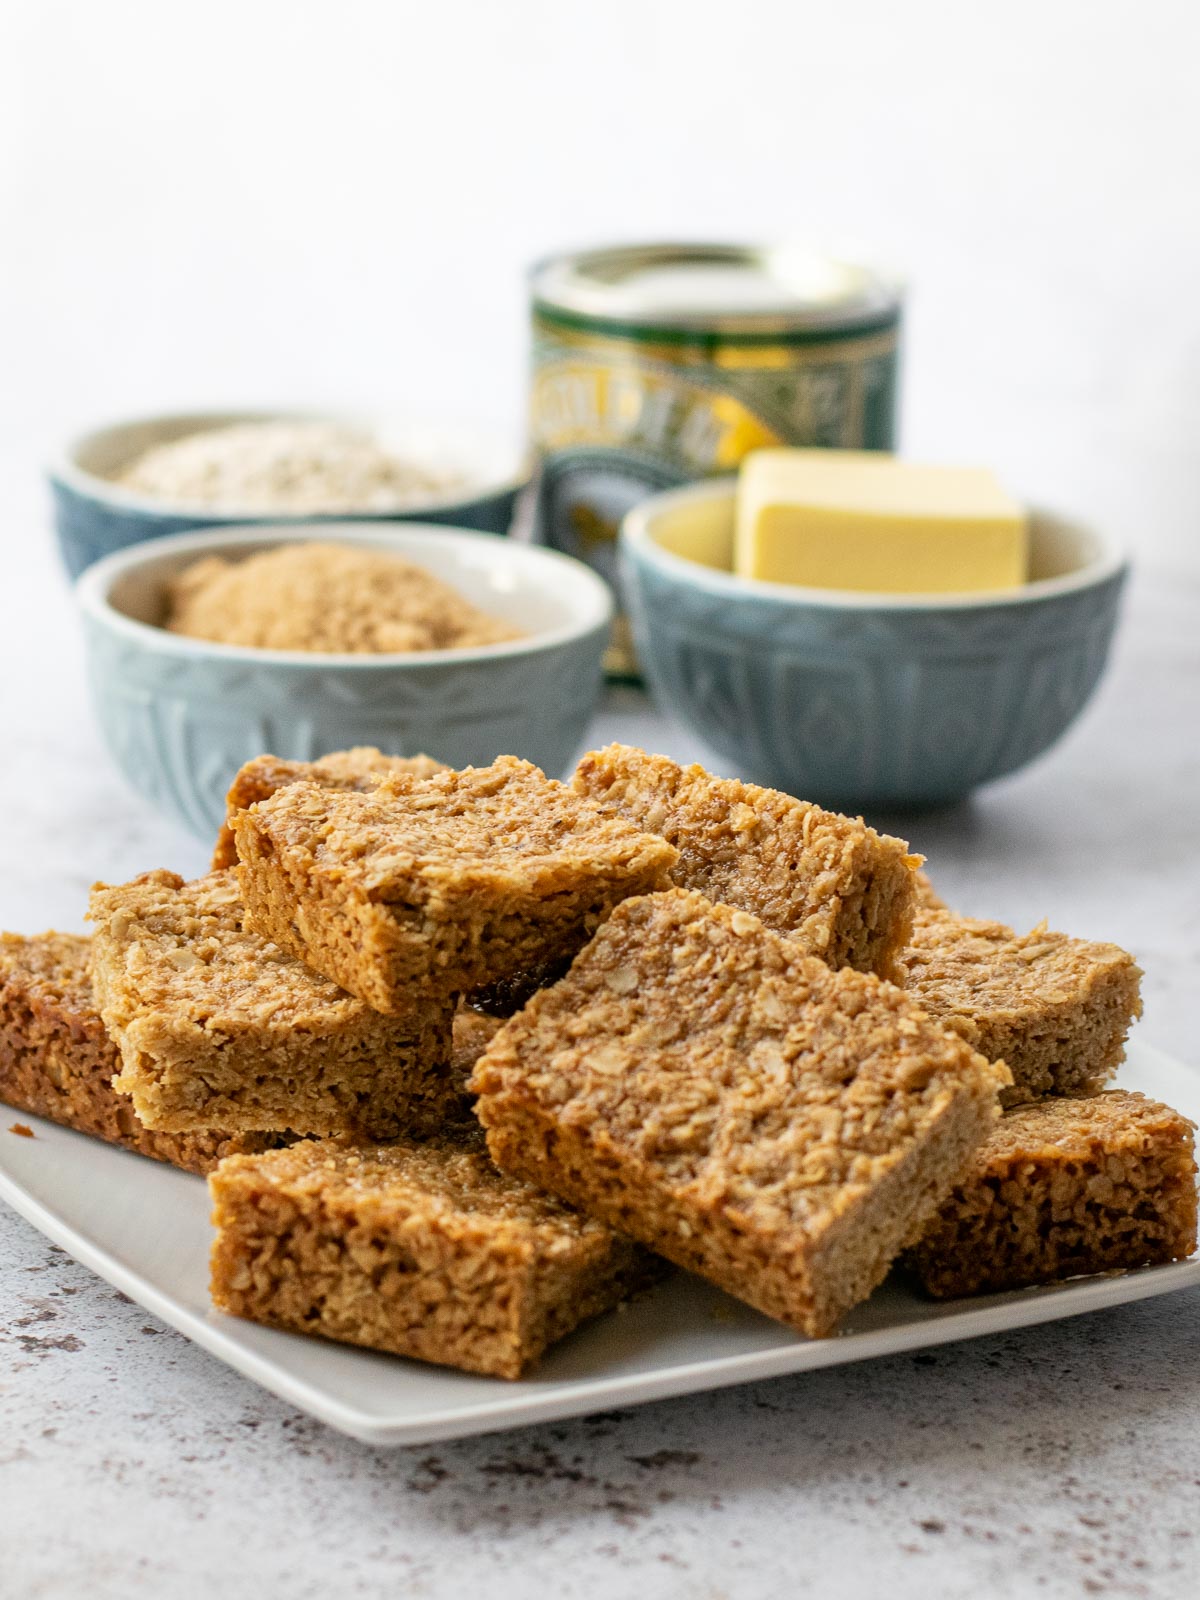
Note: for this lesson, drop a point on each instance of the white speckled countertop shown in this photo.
(1060, 1460)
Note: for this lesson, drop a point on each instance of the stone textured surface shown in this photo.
(1057, 1461)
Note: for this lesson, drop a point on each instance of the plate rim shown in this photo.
(522, 1404)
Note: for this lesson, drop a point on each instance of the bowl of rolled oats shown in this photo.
(132, 481)
(205, 649)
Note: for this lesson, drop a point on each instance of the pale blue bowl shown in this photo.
(181, 715)
(94, 516)
(854, 699)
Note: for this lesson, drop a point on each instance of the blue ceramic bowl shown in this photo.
(94, 516)
(856, 699)
(181, 715)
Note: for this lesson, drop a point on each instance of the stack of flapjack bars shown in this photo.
(471, 1056)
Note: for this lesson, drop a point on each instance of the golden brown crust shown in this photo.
(425, 1250)
(843, 891)
(699, 1083)
(218, 1027)
(358, 769)
(1064, 1187)
(438, 885)
(57, 1061)
(1056, 1010)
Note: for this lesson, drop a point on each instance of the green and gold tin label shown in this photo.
(618, 416)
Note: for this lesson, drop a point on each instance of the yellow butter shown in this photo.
(860, 519)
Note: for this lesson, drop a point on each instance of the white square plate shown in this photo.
(145, 1228)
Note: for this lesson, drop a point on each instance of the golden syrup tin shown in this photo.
(657, 364)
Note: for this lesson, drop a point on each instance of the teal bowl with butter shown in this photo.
(856, 699)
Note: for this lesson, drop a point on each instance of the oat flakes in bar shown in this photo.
(843, 891)
(58, 1062)
(358, 769)
(421, 1249)
(1064, 1187)
(700, 1084)
(437, 886)
(1056, 1010)
(218, 1027)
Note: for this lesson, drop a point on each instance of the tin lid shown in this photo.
(715, 288)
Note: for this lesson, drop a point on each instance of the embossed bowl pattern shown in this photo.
(856, 699)
(181, 715)
(94, 517)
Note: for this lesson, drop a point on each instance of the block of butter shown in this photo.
(860, 519)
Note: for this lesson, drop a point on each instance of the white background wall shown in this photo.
(333, 203)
